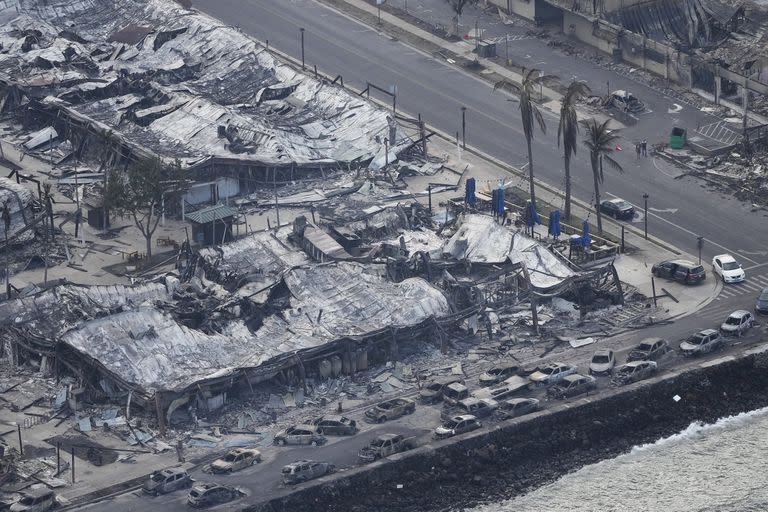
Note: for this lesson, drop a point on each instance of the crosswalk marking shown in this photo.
(753, 285)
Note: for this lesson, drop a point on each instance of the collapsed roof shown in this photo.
(19, 200)
(180, 84)
(480, 239)
(147, 349)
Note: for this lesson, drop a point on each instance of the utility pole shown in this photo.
(301, 31)
(463, 127)
(645, 214)
(700, 245)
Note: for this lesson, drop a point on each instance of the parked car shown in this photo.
(551, 374)
(477, 407)
(682, 271)
(728, 268)
(602, 363)
(515, 407)
(702, 342)
(433, 392)
(303, 470)
(633, 371)
(649, 349)
(572, 385)
(385, 445)
(208, 494)
(390, 409)
(335, 425)
(236, 460)
(300, 434)
(761, 305)
(617, 208)
(455, 392)
(167, 480)
(457, 425)
(35, 500)
(498, 373)
(737, 323)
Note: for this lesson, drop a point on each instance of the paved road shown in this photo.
(681, 208)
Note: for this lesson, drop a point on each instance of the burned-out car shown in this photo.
(235, 460)
(209, 494)
(477, 407)
(633, 371)
(498, 373)
(551, 374)
(602, 363)
(703, 342)
(390, 409)
(300, 435)
(167, 480)
(457, 425)
(335, 425)
(303, 470)
(649, 349)
(385, 445)
(433, 391)
(572, 385)
(35, 500)
(515, 407)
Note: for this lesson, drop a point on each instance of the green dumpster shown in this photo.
(677, 139)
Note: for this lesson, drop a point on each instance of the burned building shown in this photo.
(179, 86)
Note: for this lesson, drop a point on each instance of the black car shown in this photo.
(617, 208)
(761, 306)
(682, 271)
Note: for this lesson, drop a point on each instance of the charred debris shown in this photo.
(362, 293)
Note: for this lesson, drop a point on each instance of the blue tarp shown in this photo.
(497, 201)
(531, 215)
(554, 223)
(586, 241)
(469, 196)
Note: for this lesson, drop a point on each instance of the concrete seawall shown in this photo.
(516, 456)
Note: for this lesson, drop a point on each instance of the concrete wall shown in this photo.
(524, 8)
(451, 475)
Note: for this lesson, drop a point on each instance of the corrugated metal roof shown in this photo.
(211, 213)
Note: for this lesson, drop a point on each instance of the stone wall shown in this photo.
(519, 455)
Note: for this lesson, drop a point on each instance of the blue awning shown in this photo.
(586, 241)
(554, 223)
(469, 196)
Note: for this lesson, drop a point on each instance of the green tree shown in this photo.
(567, 131)
(143, 190)
(600, 142)
(458, 8)
(528, 112)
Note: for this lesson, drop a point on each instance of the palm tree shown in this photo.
(600, 142)
(528, 112)
(458, 7)
(567, 130)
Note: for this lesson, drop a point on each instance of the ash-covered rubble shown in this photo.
(178, 85)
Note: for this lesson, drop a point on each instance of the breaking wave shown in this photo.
(704, 468)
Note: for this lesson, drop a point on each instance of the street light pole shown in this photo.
(301, 31)
(463, 127)
(645, 214)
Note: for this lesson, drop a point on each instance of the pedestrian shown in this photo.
(645, 147)
(637, 149)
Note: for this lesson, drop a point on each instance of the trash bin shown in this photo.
(486, 49)
(677, 138)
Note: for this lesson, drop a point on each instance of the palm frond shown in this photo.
(539, 119)
(506, 85)
(613, 164)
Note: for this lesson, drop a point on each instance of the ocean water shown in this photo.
(720, 467)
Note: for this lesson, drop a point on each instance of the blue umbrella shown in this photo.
(469, 196)
(531, 215)
(586, 241)
(554, 223)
